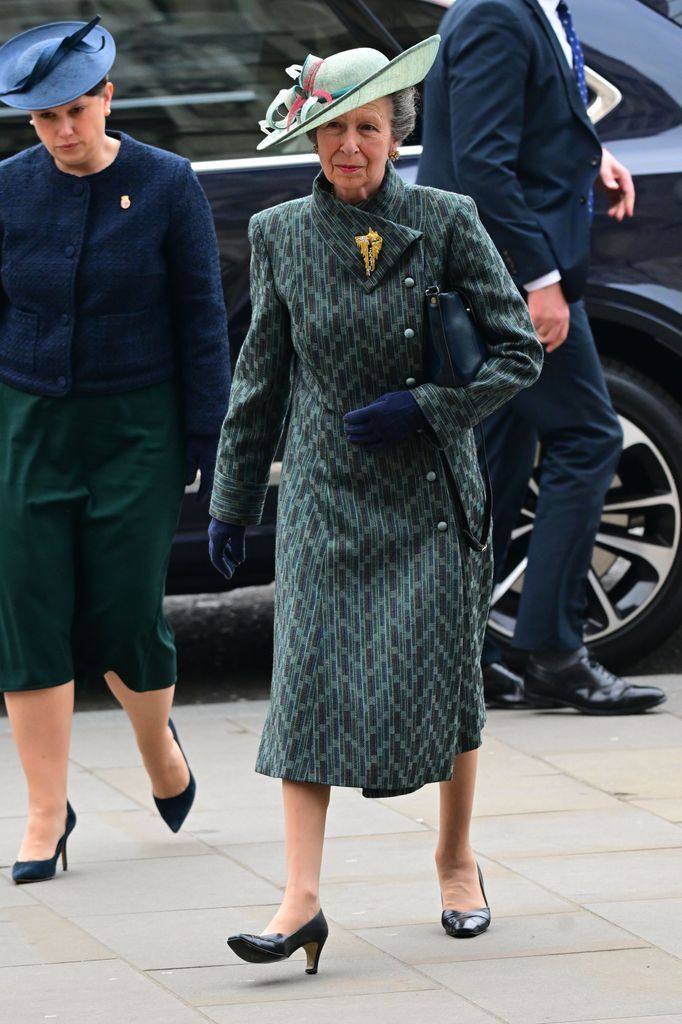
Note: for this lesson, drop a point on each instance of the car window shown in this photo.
(669, 8)
(192, 76)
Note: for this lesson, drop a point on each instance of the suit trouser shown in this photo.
(568, 410)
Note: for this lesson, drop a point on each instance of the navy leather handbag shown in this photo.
(454, 352)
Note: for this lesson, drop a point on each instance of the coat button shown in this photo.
(409, 282)
(409, 333)
(64, 319)
(442, 526)
(411, 382)
(431, 476)
(61, 382)
(70, 250)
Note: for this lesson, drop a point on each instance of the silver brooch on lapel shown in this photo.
(370, 247)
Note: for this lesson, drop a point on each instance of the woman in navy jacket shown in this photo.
(114, 374)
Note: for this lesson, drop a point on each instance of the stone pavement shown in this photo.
(578, 832)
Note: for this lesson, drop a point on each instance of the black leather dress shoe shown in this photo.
(502, 687)
(588, 687)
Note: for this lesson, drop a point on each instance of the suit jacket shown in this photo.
(379, 615)
(504, 122)
(111, 281)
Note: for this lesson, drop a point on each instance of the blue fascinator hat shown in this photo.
(54, 64)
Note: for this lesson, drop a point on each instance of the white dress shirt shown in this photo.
(549, 8)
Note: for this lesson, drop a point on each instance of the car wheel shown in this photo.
(634, 588)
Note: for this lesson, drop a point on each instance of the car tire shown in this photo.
(635, 585)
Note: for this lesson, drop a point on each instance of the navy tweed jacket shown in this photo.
(111, 282)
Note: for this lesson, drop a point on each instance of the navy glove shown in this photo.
(200, 454)
(391, 418)
(226, 546)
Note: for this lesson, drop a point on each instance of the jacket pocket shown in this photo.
(18, 339)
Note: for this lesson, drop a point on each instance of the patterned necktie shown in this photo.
(576, 49)
(578, 68)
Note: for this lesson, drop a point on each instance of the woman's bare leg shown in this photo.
(149, 713)
(41, 724)
(305, 814)
(455, 860)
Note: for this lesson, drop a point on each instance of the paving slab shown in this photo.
(655, 772)
(594, 878)
(568, 832)
(95, 992)
(12, 895)
(574, 987)
(268, 983)
(36, 935)
(112, 835)
(657, 921)
(197, 938)
(379, 1008)
(148, 885)
(534, 935)
(551, 732)
(671, 810)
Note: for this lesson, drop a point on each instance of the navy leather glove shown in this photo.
(391, 418)
(200, 454)
(226, 546)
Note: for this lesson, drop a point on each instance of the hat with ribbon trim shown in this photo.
(326, 88)
(54, 64)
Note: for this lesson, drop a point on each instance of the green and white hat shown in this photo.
(329, 87)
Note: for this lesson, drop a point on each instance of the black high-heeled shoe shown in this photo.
(174, 809)
(267, 949)
(465, 924)
(40, 870)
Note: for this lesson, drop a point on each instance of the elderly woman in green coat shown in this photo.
(380, 607)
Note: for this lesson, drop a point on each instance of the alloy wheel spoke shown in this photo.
(504, 585)
(656, 555)
(595, 585)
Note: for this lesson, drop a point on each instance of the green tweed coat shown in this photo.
(380, 609)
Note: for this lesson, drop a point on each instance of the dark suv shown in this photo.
(196, 76)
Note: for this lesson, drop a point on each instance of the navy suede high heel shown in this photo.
(40, 870)
(174, 809)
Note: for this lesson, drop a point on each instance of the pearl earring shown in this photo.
(31, 122)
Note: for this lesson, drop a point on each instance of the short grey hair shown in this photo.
(405, 108)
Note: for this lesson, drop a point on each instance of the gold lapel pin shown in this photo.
(370, 247)
(125, 202)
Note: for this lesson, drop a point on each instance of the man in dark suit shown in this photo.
(505, 122)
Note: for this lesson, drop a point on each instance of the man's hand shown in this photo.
(615, 181)
(550, 315)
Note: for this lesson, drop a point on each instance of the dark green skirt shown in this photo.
(90, 493)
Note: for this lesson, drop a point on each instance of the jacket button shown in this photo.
(64, 318)
(431, 476)
(409, 282)
(583, 200)
(409, 333)
(70, 250)
(411, 382)
(442, 526)
(61, 382)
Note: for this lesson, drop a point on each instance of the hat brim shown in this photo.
(407, 69)
(75, 75)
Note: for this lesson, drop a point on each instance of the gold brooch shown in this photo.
(370, 247)
(125, 202)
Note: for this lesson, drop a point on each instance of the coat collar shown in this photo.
(567, 72)
(338, 224)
